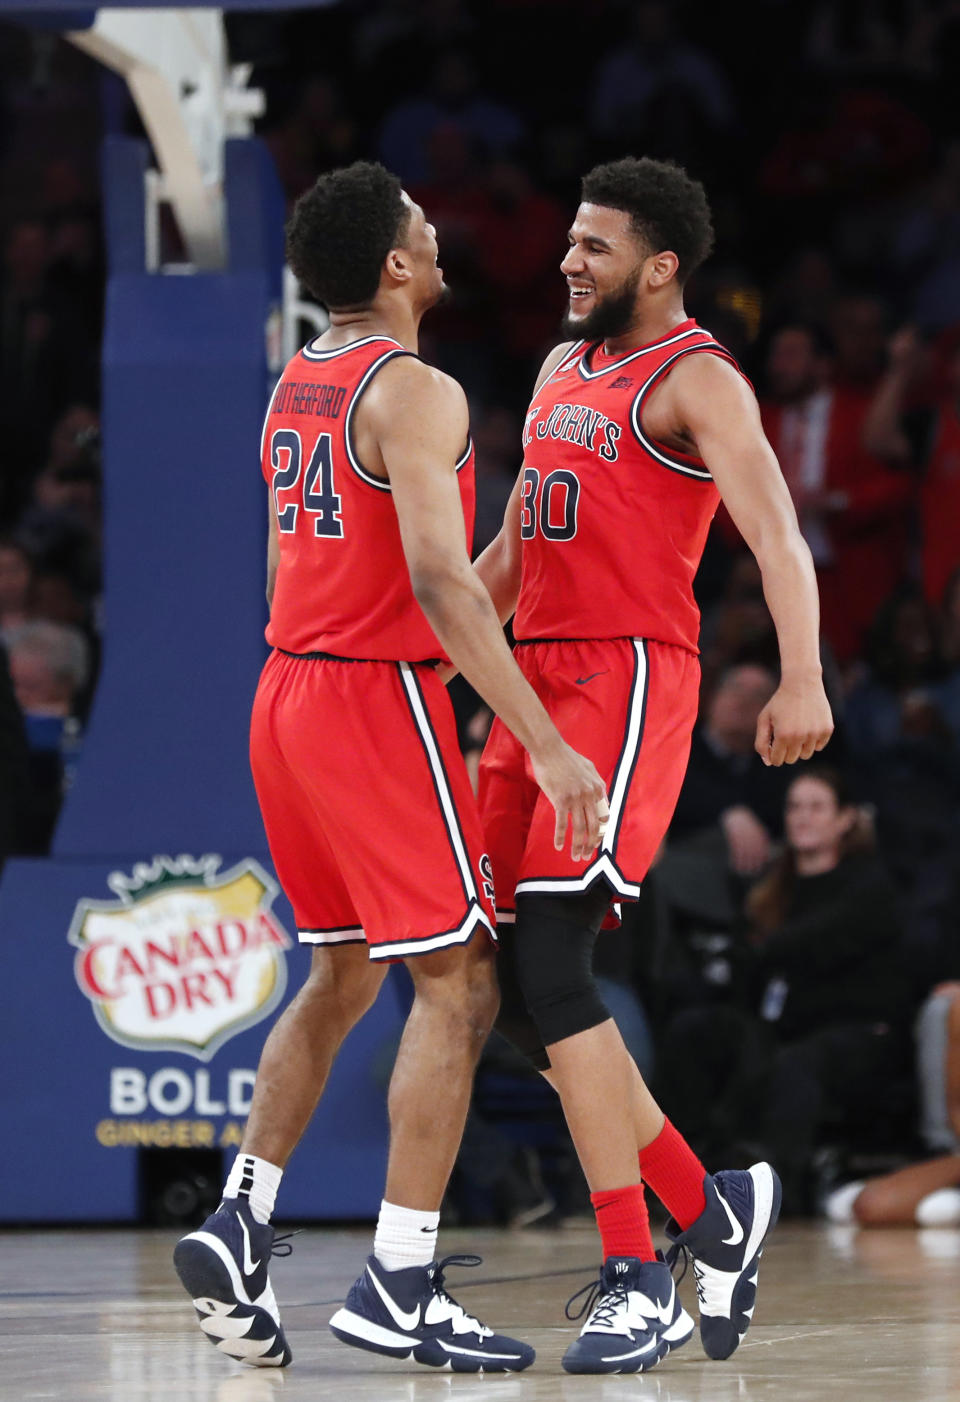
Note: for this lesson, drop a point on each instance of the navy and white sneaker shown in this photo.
(408, 1314)
(725, 1244)
(223, 1268)
(635, 1319)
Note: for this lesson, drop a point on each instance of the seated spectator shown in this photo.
(14, 769)
(926, 250)
(904, 665)
(908, 434)
(522, 273)
(47, 357)
(898, 733)
(738, 628)
(659, 91)
(454, 98)
(852, 508)
(727, 783)
(822, 1033)
(496, 438)
(61, 527)
(16, 585)
(805, 289)
(49, 665)
(312, 132)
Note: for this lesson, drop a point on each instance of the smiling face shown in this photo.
(603, 268)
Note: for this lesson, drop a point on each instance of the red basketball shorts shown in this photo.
(372, 824)
(627, 704)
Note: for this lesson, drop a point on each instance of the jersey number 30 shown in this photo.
(319, 498)
(551, 508)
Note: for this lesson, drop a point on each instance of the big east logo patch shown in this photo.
(185, 957)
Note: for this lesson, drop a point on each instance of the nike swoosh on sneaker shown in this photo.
(634, 1353)
(450, 1347)
(655, 1309)
(249, 1264)
(406, 1320)
(665, 1312)
(737, 1233)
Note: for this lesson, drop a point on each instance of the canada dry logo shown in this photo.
(185, 957)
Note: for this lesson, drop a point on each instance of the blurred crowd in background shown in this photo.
(795, 923)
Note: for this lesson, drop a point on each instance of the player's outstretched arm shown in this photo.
(721, 413)
(499, 565)
(420, 419)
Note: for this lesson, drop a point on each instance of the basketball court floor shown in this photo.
(99, 1315)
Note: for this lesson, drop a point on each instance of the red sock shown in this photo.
(623, 1222)
(675, 1174)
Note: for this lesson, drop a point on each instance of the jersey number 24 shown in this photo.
(319, 498)
(550, 508)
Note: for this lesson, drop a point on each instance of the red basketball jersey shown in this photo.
(613, 524)
(342, 584)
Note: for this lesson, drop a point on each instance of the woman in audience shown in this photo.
(822, 1031)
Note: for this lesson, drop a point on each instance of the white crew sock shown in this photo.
(404, 1237)
(256, 1180)
(839, 1204)
(939, 1209)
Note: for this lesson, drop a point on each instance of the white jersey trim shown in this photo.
(630, 753)
(604, 864)
(358, 467)
(352, 458)
(475, 916)
(349, 934)
(567, 363)
(266, 417)
(675, 463)
(311, 354)
(447, 805)
(635, 355)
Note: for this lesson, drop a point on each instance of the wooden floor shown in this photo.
(87, 1316)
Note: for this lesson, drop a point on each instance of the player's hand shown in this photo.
(795, 723)
(579, 799)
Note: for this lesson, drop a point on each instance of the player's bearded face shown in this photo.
(611, 315)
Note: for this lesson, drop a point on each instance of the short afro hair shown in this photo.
(342, 229)
(667, 209)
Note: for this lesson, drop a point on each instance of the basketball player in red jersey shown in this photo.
(637, 427)
(365, 797)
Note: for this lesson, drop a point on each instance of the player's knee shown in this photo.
(513, 1018)
(482, 992)
(521, 1032)
(462, 983)
(486, 1007)
(554, 960)
(342, 985)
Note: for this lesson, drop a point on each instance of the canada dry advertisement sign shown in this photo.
(182, 959)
